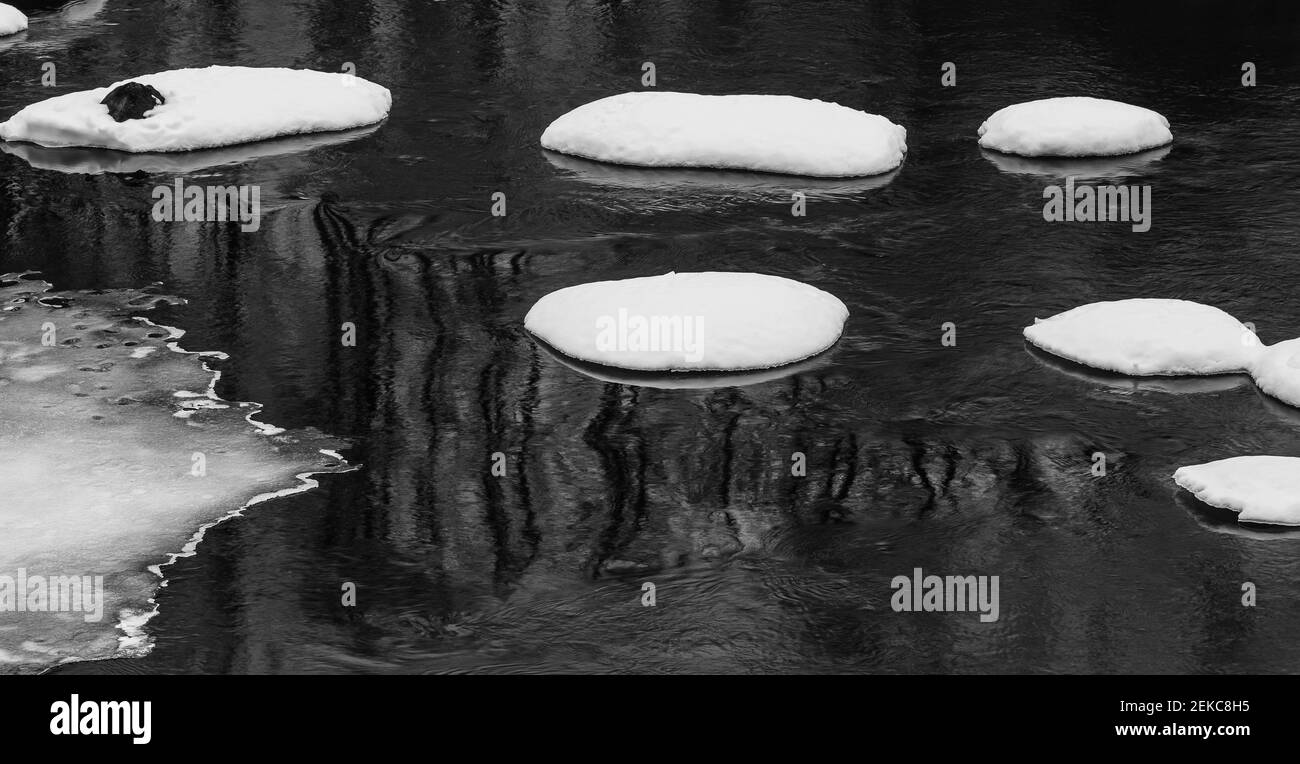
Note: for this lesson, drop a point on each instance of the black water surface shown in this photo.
(974, 459)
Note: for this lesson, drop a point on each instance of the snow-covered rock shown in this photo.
(12, 20)
(1261, 489)
(768, 133)
(1147, 337)
(206, 108)
(1277, 371)
(1075, 126)
(709, 321)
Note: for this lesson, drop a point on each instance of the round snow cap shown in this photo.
(768, 133)
(1074, 127)
(690, 321)
(1148, 337)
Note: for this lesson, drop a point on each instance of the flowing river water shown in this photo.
(968, 459)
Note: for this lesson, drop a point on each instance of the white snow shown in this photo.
(1074, 126)
(12, 20)
(1277, 371)
(1146, 337)
(712, 321)
(768, 133)
(1261, 489)
(206, 108)
(98, 460)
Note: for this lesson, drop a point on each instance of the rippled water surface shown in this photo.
(974, 459)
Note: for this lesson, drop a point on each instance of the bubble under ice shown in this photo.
(102, 423)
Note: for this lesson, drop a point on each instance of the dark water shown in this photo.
(972, 459)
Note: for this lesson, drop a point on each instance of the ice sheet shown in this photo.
(102, 436)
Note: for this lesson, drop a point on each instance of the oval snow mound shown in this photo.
(768, 133)
(690, 321)
(1261, 489)
(1074, 127)
(12, 20)
(1277, 371)
(1148, 337)
(206, 108)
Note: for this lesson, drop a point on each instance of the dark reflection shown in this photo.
(36, 7)
(1181, 385)
(715, 181)
(97, 161)
(1225, 521)
(1085, 168)
(1283, 411)
(684, 380)
(605, 486)
(53, 25)
(770, 515)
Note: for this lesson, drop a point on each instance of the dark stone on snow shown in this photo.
(131, 100)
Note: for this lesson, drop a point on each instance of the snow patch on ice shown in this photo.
(1073, 127)
(768, 133)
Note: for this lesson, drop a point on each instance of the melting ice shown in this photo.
(115, 455)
